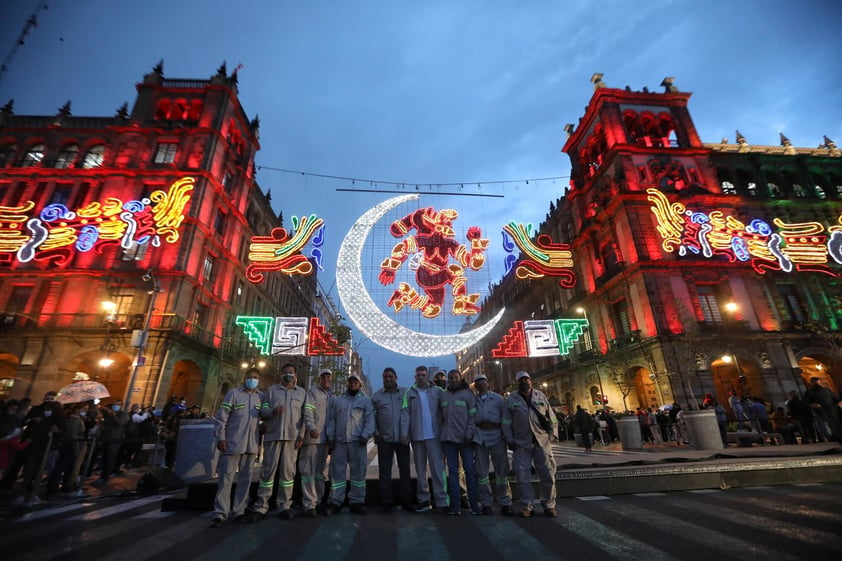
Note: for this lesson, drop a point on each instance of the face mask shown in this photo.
(83, 413)
(251, 383)
(288, 378)
(48, 413)
(352, 393)
(115, 407)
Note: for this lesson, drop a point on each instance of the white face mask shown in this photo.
(48, 413)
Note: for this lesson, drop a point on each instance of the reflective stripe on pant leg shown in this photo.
(522, 460)
(419, 454)
(286, 466)
(241, 494)
(358, 460)
(481, 454)
(338, 469)
(271, 455)
(500, 459)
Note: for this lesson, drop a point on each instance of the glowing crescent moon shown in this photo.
(376, 325)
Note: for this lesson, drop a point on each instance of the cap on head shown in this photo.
(324, 371)
(481, 378)
(354, 377)
(522, 374)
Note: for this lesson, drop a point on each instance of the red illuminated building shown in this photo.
(150, 211)
(702, 268)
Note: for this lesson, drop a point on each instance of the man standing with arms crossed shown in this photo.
(490, 443)
(529, 425)
(312, 458)
(350, 423)
(421, 424)
(237, 441)
(387, 403)
(282, 412)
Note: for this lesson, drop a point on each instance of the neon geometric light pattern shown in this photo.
(57, 233)
(543, 257)
(367, 316)
(289, 336)
(799, 246)
(537, 338)
(431, 248)
(280, 251)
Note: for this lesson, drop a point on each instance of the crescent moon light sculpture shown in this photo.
(376, 325)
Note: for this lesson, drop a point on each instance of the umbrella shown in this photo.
(86, 390)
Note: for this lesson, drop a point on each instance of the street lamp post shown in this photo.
(140, 340)
(596, 352)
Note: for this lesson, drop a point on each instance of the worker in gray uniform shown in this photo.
(237, 441)
(282, 412)
(312, 458)
(529, 425)
(491, 444)
(421, 426)
(350, 424)
(387, 403)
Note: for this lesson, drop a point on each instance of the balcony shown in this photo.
(625, 340)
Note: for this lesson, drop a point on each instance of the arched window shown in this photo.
(94, 156)
(67, 156)
(34, 156)
(7, 155)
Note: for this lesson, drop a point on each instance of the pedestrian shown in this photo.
(458, 408)
(113, 432)
(584, 423)
(312, 457)
(529, 428)
(826, 406)
(491, 444)
(10, 434)
(69, 447)
(282, 413)
(802, 413)
(440, 379)
(421, 425)
(387, 403)
(237, 441)
(350, 424)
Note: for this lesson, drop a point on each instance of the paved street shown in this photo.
(764, 523)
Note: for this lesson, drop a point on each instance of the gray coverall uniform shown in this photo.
(425, 448)
(312, 457)
(350, 423)
(387, 436)
(279, 444)
(490, 443)
(237, 424)
(523, 427)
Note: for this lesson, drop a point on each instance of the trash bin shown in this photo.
(629, 429)
(703, 429)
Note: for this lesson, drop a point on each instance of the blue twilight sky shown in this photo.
(435, 91)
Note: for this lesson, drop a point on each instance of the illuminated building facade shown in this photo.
(701, 268)
(124, 243)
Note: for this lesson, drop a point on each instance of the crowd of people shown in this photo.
(59, 445)
(458, 435)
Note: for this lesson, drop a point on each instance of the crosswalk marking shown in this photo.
(702, 536)
(419, 538)
(508, 537)
(116, 509)
(619, 545)
(150, 546)
(792, 531)
(332, 540)
(156, 514)
(52, 511)
(242, 544)
(593, 498)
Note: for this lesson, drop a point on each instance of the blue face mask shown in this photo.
(251, 383)
(115, 407)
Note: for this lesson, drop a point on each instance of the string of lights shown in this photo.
(414, 185)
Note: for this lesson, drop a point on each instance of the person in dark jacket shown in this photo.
(826, 404)
(113, 432)
(584, 422)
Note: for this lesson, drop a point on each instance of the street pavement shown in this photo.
(780, 523)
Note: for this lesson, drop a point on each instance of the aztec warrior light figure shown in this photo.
(431, 249)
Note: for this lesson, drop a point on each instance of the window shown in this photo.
(94, 157)
(219, 222)
(709, 304)
(820, 193)
(799, 191)
(751, 187)
(621, 318)
(793, 308)
(200, 316)
(60, 196)
(7, 155)
(34, 156)
(207, 269)
(728, 188)
(226, 180)
(165, 153)
(135, 251)
(67, 156)
(16, 305)
(774, 190)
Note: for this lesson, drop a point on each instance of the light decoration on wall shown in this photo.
(431, 249)
(537, 338)
(57, 233)
(544, 257)
(280, 251)
(290, 336)
(799, 246)
(367, 316)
